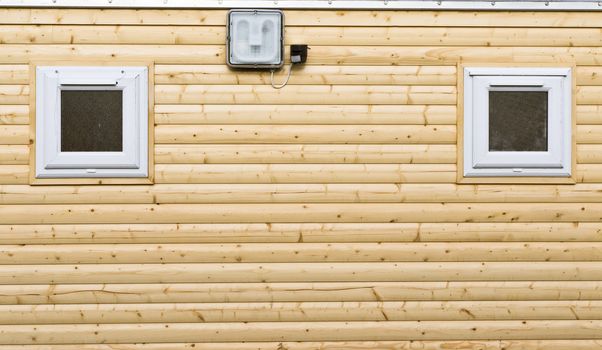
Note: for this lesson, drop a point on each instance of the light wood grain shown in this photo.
(14, 174)
(301, 272)
(14, 94)
(321, 55)
(590, 173)
(347, 345)
(300, 331)
(301, 233)
(445, 36)
(196, 54)
(589, 154)
(306, 134)
(589, 114)
(14, 135)
(310, 153)
(299, 193)
(589, 134)
(305, 94)
(124, 293)
(588, 75)
(14, 74)
(305, 173)
(318, 212)
(309, 75)
(353, 35)
(305, 114)
(14, 154)
(306, 18)
(307, 252)
(306, 211)
(14, 114)
(588, 95)
(300, 312)
(333, 193)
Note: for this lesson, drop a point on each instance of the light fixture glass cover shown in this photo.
(255, 38)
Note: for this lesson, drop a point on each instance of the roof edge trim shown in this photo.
(504, 5)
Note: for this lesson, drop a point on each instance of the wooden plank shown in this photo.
(589, 173)
(308, 75)
(589, 114)
(13, 74)
(14, 174)
(588, 95)
(589, 154)
(14, 114)
(320, 55)
(296, 134)
(305, 173)
(443, 18)
(305, 94)
(299, 292)
(113, 16)
(300, 312)
(169, 54)
(311, 35)
(14, 134)
(328, 193)
(307, 233)
(408, 55)
(306, 252)
(322, 153)
(346, 345)
(305, 18)
(445, 36)
(111, 34)
(156, 233)
(299, 193)
(18, 194)
(301, 272)
(14, 154)
(458, 232)
(299, 331)
(14, 94)
(315, 212)
(589, 134)
(588, 75)
(305, 114)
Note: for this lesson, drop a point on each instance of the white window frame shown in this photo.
(478, 160)
(132, 161)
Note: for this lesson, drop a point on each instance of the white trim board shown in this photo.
(479, 161)
(132, 161)
(532, 5)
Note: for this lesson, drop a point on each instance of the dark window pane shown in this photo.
(518, 121)
(91, 120)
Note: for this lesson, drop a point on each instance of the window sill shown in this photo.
(92, 181)
(517, 180)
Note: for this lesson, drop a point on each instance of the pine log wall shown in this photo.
(325, 215)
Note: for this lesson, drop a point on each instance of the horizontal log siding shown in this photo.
(322, 215)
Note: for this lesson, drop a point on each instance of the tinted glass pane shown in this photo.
(91, 120)
(518, 121)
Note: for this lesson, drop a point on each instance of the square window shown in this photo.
(517, 122)
(91, 122)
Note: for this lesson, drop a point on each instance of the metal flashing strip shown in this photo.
(508, 5)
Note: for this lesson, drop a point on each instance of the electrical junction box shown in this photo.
(298, 53)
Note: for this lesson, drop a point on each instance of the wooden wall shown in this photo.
(323, 215)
